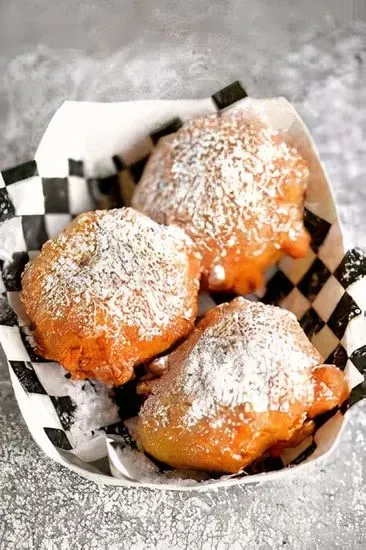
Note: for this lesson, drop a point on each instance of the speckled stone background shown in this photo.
(312, 52)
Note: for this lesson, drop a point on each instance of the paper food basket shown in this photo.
(94, 154)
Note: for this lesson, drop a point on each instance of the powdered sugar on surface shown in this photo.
(95, 408)
(253, 355)
(119, 263)
(224, 179)
(141, 468)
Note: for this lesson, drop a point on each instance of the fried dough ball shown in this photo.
(112, 290)
(246, 379)
(237, 189)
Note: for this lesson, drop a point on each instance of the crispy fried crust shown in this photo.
(218, 411)
(112, 290)
(237, 189)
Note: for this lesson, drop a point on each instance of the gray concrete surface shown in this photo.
(314, 53)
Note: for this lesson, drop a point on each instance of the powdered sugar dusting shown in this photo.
(142, 469)
(253, 355)
(119, 263)
(226, 179)
(95, 407)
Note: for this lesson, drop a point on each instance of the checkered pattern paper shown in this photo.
(326, 290)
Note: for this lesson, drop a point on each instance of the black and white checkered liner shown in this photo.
(326, 291)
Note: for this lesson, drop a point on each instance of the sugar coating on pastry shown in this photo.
(236, 188)
(241, 383)
(252, 358)
(244, 358)
(113, 289)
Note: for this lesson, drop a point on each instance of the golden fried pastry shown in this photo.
(155, 370)
(112, 290)
(245, 380)
(237, 190)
